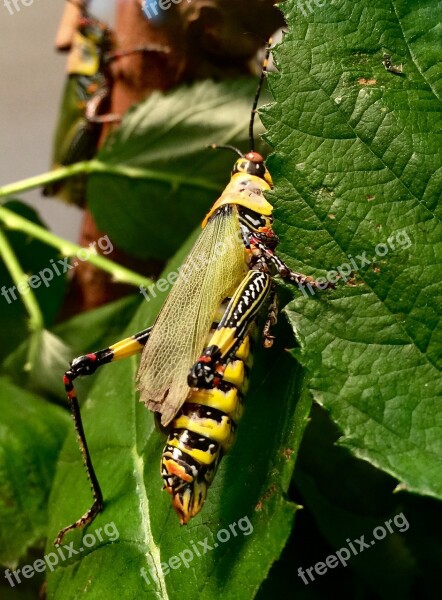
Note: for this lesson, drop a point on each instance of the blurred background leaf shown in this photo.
(31, 435)
(40, 361)
(167, 135)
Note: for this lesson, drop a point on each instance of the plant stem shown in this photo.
(68, 249)
(18, 276)
(43, 179)
(97, 166)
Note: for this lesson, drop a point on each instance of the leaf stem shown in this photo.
(36, 320)
(43, 179)
(68, 249)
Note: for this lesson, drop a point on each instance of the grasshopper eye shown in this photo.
(251, 167)
(260, 169)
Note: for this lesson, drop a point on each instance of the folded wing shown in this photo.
(212, 271)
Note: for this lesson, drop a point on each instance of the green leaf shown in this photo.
(344, 498)
(99, 327)
(31, 434)
(251, 485)
(167, 136)
(357, 168)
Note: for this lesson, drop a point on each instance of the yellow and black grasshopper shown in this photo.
(86, 94)
(196, 357)
(86, 99)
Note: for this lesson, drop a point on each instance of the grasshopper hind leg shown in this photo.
(80, 367)
(240, 313)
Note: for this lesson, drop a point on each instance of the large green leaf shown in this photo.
(357, 171)
(167, 136)
(251, 483)
(344, 498)
(31, 434)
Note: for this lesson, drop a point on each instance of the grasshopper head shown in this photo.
(252, 163)
(95, 31)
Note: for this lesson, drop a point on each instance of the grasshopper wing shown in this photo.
(214, 268)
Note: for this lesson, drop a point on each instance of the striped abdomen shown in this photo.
(202, 431)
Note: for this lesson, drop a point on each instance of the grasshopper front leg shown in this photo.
(272, 317)
(264, 253)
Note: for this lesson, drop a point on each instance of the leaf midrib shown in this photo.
(412, 55)
(338, 109)
(143, 501)
(335, 240)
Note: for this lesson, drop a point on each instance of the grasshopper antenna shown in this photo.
(257, 94)
(226, 147)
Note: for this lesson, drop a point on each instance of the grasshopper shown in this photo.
(196, 358)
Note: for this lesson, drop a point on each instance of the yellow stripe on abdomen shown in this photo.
(228, 401)
(219, 429)
(205, 457)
